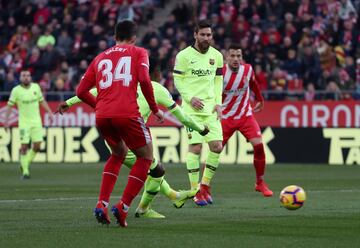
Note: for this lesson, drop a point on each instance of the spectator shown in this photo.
(291, 64)
(41, 15)
(346, 8)
(125, 12)
(310, 94)
(346, 84)
(310, 66)
(64, 43)
(49, 58)
(33, 63)
(332, 91)
(16, 63)
(327, 56)
(46, 39)
(324, 35)
(11, 81)
(45, 82)
(357, 94)
(261, 77)
(278, 84)
(25, 15)
(83, 65)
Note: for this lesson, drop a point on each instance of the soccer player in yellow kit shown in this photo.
(27, 97)
(198, 78)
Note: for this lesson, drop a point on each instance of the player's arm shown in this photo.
(164, 98)
(188, 121)
(179, 78)
(254, 86)
(146, 86)
(44, 104)
(218, 85)
(87, 82)
(10, 104)
(64, 106)
(7, 115)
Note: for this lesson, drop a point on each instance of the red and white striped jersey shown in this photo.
(236, 91)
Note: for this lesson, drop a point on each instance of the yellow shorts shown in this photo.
(215, 130)
(35, 134)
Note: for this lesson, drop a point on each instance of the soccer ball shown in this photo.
(292, 197)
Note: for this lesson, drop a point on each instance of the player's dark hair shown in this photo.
(125, 30)
(234, 46)
(202, 24)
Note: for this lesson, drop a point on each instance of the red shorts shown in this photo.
(132, 131)
(247, 126)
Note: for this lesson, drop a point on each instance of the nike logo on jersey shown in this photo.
(192, 62)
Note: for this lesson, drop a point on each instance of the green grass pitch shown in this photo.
(54, 209)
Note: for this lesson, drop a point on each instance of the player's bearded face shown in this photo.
(203, 38)
(25, 77)
(234, 58)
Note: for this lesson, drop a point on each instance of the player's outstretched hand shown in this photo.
(258, 106)
(159, 116)
(51, 117)
(196, 103)
(62, 108)
(205, 131)
(217, 109)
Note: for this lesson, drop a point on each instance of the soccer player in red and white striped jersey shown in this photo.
(237, 113)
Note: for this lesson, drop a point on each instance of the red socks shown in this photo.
(259, 162)
(136, 180)
(109, 177)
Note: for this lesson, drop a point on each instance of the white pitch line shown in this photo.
(94, 198)
(51, 199)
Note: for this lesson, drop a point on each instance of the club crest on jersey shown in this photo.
(34, 93)
(212, 61)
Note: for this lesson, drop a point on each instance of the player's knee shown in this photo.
(36, 148)
(23, 150)
(158, 171)
(119, 150)
(255, 141)
(196, 149)
(145, 152)
(217, 147)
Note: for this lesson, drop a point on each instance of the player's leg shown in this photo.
(178, 198)
(24, 167)
(193, 164)
(151, 189)
(193, 167)
(111, 169)
(24, 141)
(195, 141)
(211, 165)
(214, 139)
(137, 137)
(154, 183)
(251, 130)
(36, 135)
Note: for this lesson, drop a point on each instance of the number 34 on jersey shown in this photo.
(121, 73)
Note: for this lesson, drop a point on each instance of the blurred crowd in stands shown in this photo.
(299, 49)
(56, 39)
